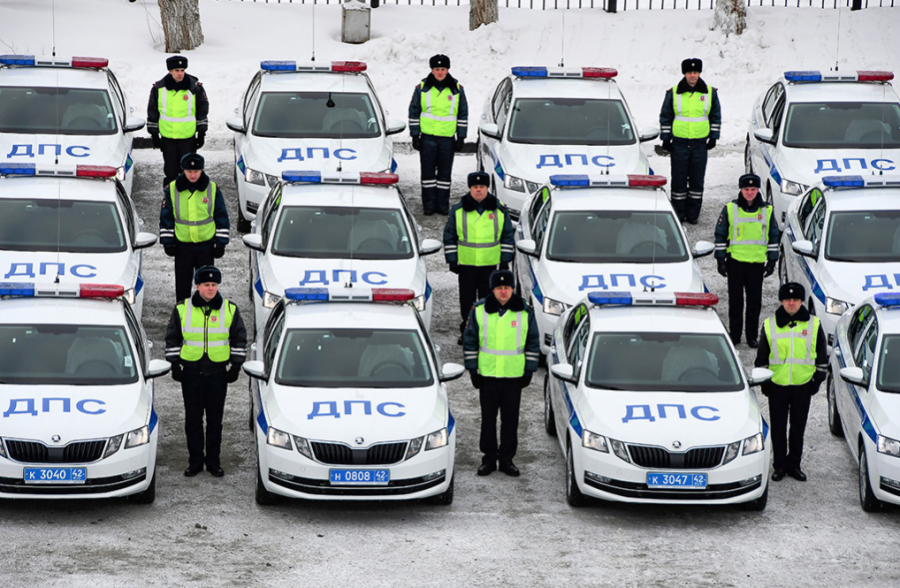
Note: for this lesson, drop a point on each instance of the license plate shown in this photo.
(673, 480)
(55, 475)
(360, 477)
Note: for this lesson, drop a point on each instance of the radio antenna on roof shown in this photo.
(562, 51)
(837, 49)
(314, 31)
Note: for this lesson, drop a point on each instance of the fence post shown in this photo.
(610, 6)
(856, 5)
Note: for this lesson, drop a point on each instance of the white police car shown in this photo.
(71, 224)
(348, 400)
(864, 395)
(810, 124)
(326, 116)
(583, 233)
(76, 394)
(539, 121)
(649, 402)
(842, 242)
(65, 111)
(346, 228)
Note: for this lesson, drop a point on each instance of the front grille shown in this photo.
(91, 486)
(638, 490)
(324, 487)
(36, 452)
(657, 457)
(339, 454)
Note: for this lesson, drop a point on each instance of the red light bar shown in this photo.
(599, 72)
(644, 180)
(353, 66)
(95, 171)
(101, 291)
(874, 76)
(695, 299)
(378, 178)
(392, 295)
(89, 62)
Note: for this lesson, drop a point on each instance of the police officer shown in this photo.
(193, 222)
(746, 252)
(438, 110)
(478, 236)
(501, 349)
(793, 346)
(690, 113)
(176, 115)
(205, 334)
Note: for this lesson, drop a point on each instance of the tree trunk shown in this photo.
(730, 17)
(181, 24)
(482, 12)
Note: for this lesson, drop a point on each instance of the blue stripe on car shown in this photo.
(154, 418)
(450, 424)
(261, 417)
(867, 425)
(427, 290)
(573, 416)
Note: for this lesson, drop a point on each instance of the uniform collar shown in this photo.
(684, 88)
(448, 83)
(515, 304)
(197, 301)
(187, 83)
(469, 204)
(751, 206)
(183, 185)
(783, 319)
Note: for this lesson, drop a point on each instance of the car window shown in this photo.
(536, 204)
(126, 204)
(570, 121)
(577, 348)
(777, 115)
(775, 92)
(273, 330)
(856, 327)
(137, 336)
(539, 227)
(250, 97)
(576, 317)
(806, 207)
(813, 231)
(501, 106)
(889, 364)
(118, 97)
(829, 125)
(865, 354)
(73, 226)
(304, 115)
(865, 236)
(273, 203)
(56, 111)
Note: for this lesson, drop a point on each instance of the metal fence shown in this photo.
(612, 5)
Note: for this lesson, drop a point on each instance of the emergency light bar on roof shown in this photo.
(891, 299)
(859, 76)
(79, 171)
(29, 290)
(560, 72)
(334, 66)
(361, 178)
(349, 295)
(652, 299)
(599, 181)
(90, 62)
(889, 181)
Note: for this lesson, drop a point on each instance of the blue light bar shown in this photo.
(16, 59)
(570, 180)
(888, 299)
(530, 72)
(803, 76)
(18, 169)
(23, 289)
(844, 181)
(306, 294)
(310, 177)
(610, 298)
(278, 65)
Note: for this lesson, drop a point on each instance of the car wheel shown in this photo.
(263, 496)
(834, 418)
(748, 163)
(148, 495)
(759, 504)
(445, 498)
(549, 416)
(782, 268)
(573, 495)
(243, 224)
(867, 499)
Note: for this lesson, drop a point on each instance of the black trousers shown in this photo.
(173, 150)
(744, 278)
(474, 282)
(501, 395)
(688, 171)
(436, 160)
(189, 257)
(788, 403)
(204, 393)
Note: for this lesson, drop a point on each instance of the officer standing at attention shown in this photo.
(746, 252)
(193, 222)
(690, 113)
(502, 346)
(438, 110)
(478, 237)
(176, 115)
(793, 346)
(205, 334)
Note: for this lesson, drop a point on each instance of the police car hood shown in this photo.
(375, 414)
(886, 412)
(691, 418)
(73, 150)
(72, 412)
(97, 268)
(372, 273)
(852, 282)
(537, 163)
(263, 155)
(809, 166)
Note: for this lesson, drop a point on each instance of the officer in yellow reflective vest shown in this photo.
(477, 238)
(193, 222)
(690, 120)
(793, 346)
(438, 110)
(205, 335)
(176, 115)
(746, 251)
(501, 349)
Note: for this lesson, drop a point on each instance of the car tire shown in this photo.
(147, 496)
(549, 415)
(445, 498)
(243, 225)
(748, 163)
(573, 495)
(834, 418)
(759, 504)
(263, 496)
(783, 277)
(867, 499)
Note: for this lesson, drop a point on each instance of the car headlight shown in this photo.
(835, 306)
(731, 451)
(251, 176)
(437, 439)
(130, 296)
(753, 444)
(137, 437)
(414, 446)
(519, 185)
(112, 446)
(269, 299)
(419, 303)
(792, 188)
(594, 441)
(120, 173)
(554, 307)
(278, 438)
(888, 446)
(620, 450)
(303, 447)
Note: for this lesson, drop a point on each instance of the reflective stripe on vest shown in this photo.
(792, 351)
(501, 353)
(176, 114)
(478, 237)
(200, 338)
(439, 109)
(749, 237)
(194, 222)
(691, 116)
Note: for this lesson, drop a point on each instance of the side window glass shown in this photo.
(579, 344)
(855, 328)
(540, 226)
(775, 123)
(273, 202)
(502, 108)
(497, 104)
(273, 335)
(137, 336)
(250, 99)
(806, 207)
(865, 355)
(535, 208)
(813, 231)
(771, 100)
(118, 98)
(127, 206)
(575, 319)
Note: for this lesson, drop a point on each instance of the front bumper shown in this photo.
(884, 474)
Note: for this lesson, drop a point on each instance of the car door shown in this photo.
(857, 399)
(564, 350)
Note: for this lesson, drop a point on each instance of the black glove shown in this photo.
(201, 139)
(766, 388)
(525, 380)
(476, 379)
(157, 142)
(504, 265)
(459, 144)
(722, 267)
(816, 382)
(417, 142)
(770, 268)
(667, 144)
(710, 144)
(218, 250)
(234, 372)
(177, 372)
(170, 250)
(454, 267)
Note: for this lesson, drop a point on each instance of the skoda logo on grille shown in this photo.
(676, 444)
(56, 438)
(359, 440)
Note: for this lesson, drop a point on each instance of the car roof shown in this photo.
(352, 315)
(655, 319)
(67, 311)
(565, 88)
(610, 199)
(63, 188)
(53, 77)
(839, 92)
(863, 199)
(357, 196)
(315, 82)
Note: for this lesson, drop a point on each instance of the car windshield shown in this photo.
(889, 365)
(320, 115)
(56, 111)
(65, 354)
(826, 125)
(664, 362)
(570, 121)
(353, 358)
(339, 232)
(615, 236)
(864, 236)
(71, 226)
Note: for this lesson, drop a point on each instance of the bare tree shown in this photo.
(482, 12)
(181, 24)
(730, 17)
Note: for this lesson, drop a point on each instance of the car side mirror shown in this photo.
(394, 127)
(804, 248)
(143, 240)
(490, 130)
(703, 248)
(564, 372)
(236, 124)
(254, 241)
(133, 123)
(759, 376)
(854, 375)
(157, 368)
(649, 134)
(528, 247)
(765, 135)
(451, 371)
(430, 246)
(255, 369)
